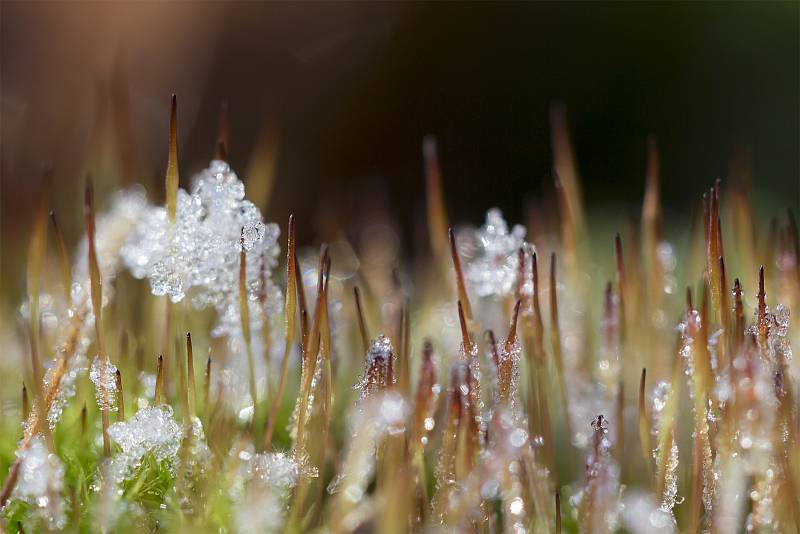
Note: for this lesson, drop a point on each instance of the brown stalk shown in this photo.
(462, 288)
(290, 313)
(207, 390)
(404, 371)
(437, 213)
(537, 374)
(465, 339)
(644, 425)
(26, 407)
(558, 513)
(538, 325)
(763, 323)
(159, 381)
(738, 316)
(121, 398)
(192, 392)
(301, 300)
(172, 178)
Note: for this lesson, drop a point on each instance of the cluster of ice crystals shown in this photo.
(491, 255)
(151, 430)
(103, 375)
(41, 483)
(378, 374)
(198, 256)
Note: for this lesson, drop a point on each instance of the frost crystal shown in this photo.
(151, 430)
(103, 375)
(41, 482)
(378, 372)
(491, 255)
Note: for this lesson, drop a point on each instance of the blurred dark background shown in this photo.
(339, 96)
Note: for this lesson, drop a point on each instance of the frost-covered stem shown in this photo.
(309, 355)
(244, 316)
(290, 311)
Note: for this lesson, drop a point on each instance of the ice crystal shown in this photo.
(103, 375)
(41, 483)
(491, 255)
(151, 430)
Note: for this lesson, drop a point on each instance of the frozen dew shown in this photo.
(151, 430)
(491, 255)
(41, 483)
(103, 375)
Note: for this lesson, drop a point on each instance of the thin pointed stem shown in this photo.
(121, 396)
(159, 380)
(462, 288)
(172, 177)
(190, 373)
